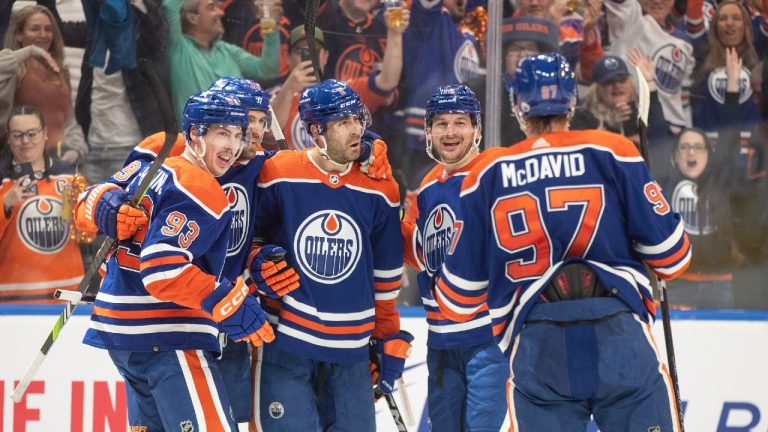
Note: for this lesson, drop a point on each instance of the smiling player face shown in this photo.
(222, 145)
(452, 135)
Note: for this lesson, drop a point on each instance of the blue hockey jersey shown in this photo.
(341, 231)
(150, 298)
(427, 231)
(563, 196)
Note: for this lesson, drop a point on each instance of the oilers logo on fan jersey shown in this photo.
(717, 80)
(327, 246)
(466, 62)
(300, 136)
(685, 200)
(670, 65)
(40, 225)
(438, 232)
(240, 209)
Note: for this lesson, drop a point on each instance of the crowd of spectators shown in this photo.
(702, 61)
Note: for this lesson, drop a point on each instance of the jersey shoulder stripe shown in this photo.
(198, 185)
(621, 149)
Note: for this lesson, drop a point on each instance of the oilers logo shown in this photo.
(685, 200)
(40, 225)
(328, 246)
(717, 80)
(466, 62)
(670, 64)
(438, 232)
(299, 135)
(356, 61)
(240, 208)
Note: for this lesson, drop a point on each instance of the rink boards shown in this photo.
(721, 357)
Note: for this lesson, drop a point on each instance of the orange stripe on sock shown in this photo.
(203, 390)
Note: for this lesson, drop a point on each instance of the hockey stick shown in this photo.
(644, 103)
(309, 32)
(74, 297)
(405, 402)
(274, 127)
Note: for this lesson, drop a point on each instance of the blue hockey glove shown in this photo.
(239, 314)
(395, 349)
(115, 217)
(373, 156)
(269, 273)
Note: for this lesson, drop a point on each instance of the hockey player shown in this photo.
(341, 231)
(162, 303)
(467, 371)
(555, 230)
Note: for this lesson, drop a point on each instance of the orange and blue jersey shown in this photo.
(551, 199)
(240, 187)
(150, 298)
(37, 255)
(341, 231)
(427, 231)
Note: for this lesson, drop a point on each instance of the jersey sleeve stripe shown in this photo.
(164, 248)
(388, 274)
(387, 286)
(455, 312)
(665, 245)
(382, 296)
(676, 270)
(447, 290)
(663, 262)
(162, 275)
(166, 260)
(117, 299)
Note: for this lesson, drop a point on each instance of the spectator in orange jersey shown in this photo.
(37, 255)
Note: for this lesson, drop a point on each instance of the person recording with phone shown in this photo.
(610, 103)
(37, 253)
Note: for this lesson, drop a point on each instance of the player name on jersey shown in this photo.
(542, 167)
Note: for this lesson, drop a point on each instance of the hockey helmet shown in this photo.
(213, 108)
(328, 101)
(250, 93)
(453, 98)
(543, 85)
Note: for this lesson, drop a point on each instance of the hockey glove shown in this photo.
(269, 273)
(239, 314)
(114, 216)
(373, 156)
(395, 349)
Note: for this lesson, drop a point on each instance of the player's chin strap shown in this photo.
(324, 153)
(468, 155)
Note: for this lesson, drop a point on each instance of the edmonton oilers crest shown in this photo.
(670, 63)
(328, 245)
(717, 80)
(466, 62)
(40, 225)
(438, 232)
(685, 199)
(299, 135)
(240, 209)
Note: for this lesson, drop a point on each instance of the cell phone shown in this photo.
(25, 169)
(305, 54)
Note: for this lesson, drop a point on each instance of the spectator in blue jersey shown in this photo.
(198, 56)
(168, 273)
(342, 233)
(467, 371)
(520, 37)
(555, 233)
(696, 191)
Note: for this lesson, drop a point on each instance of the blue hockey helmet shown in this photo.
(328, 101)
(213, 108)
(543, 85)
(453, 98)
(250, 93)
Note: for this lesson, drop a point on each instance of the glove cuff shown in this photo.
(225, 299)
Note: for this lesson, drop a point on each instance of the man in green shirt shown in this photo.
(198, 56)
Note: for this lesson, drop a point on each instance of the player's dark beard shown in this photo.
(246, 155)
